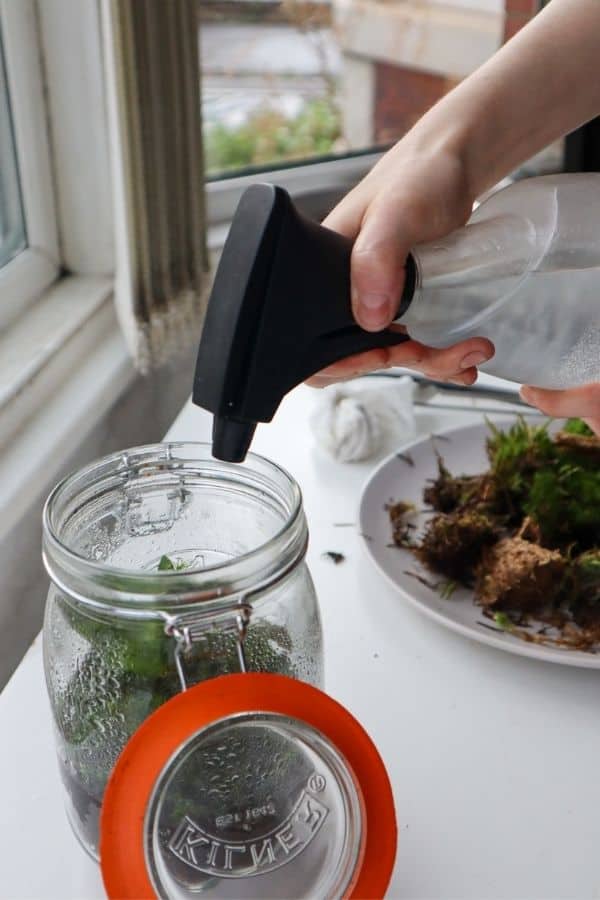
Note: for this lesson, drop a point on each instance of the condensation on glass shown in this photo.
(161, 559)
(12, 221)
(257, 805)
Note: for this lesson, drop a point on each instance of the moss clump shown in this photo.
(515, 456)
(526, 532)
(517, 575)
(578, 426)
(447, 492)
(553, 480)
(564, 500)
(400, 514)
(452, 543)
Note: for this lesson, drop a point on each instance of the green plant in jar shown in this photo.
(125, 673)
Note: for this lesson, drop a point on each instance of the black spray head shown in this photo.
(278, 313)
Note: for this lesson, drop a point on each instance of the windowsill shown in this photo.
(61, 367)
(32, 343)
(313, 185)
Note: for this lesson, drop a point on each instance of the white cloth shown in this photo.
(359, 420)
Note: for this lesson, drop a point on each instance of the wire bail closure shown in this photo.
(191, 628)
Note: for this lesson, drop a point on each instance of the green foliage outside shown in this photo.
(269, 136)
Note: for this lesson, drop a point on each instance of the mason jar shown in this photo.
(167, 568)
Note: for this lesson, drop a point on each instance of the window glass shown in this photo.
(294, 80)
(12, 222)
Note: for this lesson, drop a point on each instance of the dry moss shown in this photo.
(452, 543)
(518, 575)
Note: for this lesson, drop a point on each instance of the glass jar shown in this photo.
(168, 568)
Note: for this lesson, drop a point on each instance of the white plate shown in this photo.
(463, 451)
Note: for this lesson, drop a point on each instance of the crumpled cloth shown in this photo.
(362, 419)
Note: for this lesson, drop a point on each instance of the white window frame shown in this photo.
(33, 270)
(306, 182)
(63, 361)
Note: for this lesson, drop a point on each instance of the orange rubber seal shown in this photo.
(130, 787)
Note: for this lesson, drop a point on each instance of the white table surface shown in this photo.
(493, 758)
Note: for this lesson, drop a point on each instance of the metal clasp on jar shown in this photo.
(190, 628)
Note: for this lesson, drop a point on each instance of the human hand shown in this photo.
(477, 133)
(580, 402)
(409, 197)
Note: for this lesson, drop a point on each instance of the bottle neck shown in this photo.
(491, 250)
(462, 277)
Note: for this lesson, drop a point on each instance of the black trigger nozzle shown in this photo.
(231, 439)
(279, 311)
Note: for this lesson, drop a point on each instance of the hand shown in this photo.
(410, 196)
(478, 132)
(581, 402)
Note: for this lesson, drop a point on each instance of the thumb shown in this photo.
(377, 267)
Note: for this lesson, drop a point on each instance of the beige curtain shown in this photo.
(153, 73)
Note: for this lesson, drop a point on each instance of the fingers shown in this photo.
(410, 196)
(581, 402)
(458, 362)
(464, 379)
(322, 381)
(347, 216)
(377, 263)
(378, 260)
(377, 281)
(379, 254)
(412, 354)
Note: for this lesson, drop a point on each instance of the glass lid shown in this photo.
(242, 787)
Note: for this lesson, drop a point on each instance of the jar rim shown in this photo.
(63, 561)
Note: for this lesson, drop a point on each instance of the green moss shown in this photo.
(578, 426)
(556, 484)
(586, 570)
(503, 621)
(127, 670)
(515, 455)
(166, 564)
(564, 500)
(530, 526)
